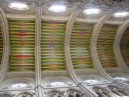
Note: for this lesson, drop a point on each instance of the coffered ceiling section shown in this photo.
(80, 45)
(52, 45)
(22, 44)
(105, 46)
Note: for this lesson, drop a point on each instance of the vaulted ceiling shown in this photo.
(38, 43)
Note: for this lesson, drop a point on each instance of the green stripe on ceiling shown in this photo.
(52, 45)
(105, 46)
(80, 46)
(1, 45)
(124, 46)
(22, 44)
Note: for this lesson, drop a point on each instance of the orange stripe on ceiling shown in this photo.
(22, 34)
(22, 56)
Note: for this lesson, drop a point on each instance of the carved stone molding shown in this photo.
(110, 2)
(74, 1)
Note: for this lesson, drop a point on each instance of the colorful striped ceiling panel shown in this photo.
(1, 45)
(52, 45)
(124, 46)
(22, 44)
(105, 46)
(80, 46)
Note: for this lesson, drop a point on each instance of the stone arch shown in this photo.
(55, 93)
(74, 93)
(25, 94)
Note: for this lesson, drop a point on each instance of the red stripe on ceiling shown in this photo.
(22, 56)
(22, 34)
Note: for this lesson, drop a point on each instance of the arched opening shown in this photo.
(74, 93)
(25, 94)
(102, 91)
(55, 94)
(118, 90)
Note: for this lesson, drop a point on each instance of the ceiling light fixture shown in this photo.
(57, 8)
(54, 84)
(92, 11)
(19, 6)
(19, 85)
(121, 14)
(91, 81)
(121, 78)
